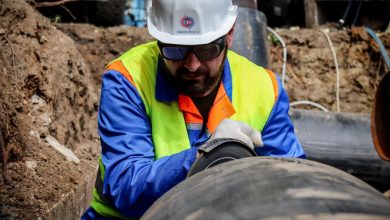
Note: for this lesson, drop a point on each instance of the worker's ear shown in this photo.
(229, 38)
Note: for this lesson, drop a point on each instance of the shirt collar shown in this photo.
(166, 91)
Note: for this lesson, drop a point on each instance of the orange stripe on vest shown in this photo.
(274, 83)
(221, 109)
(118, 66)
(190, 112)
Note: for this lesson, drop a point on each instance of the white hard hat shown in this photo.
(190, 22)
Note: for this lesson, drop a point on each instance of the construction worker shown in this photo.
(163, 100)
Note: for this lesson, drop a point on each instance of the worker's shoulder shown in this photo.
(145, 50)
(135, 58)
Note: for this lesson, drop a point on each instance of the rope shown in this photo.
(284, 53)
(337, 71)
(303, 102)
(306, 102)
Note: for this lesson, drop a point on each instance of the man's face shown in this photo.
(196, 77)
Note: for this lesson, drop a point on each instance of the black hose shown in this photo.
(346, 12)
(357, 13)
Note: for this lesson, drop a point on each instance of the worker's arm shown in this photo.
(278, 135)
(133, 178)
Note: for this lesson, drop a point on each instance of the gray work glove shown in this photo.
(231, 130)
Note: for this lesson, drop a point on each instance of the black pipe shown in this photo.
(342, 140)
(250, 36)
(226, 150)
(269, 188)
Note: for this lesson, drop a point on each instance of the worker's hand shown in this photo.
(230, 129)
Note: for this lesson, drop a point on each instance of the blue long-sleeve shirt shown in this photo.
(134, 179)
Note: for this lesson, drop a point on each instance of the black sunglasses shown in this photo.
(203, 52)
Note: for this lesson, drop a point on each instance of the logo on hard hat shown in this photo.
(187, 22)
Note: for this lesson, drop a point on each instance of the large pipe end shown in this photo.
(380, 118)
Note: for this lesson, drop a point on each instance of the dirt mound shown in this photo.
(311, 72)
(47, 101)
(50, 85)
(99, 46)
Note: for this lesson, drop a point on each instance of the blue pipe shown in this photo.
(380, 44)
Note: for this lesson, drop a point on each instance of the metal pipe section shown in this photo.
(380, 118)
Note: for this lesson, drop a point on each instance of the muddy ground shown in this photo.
(50, 79)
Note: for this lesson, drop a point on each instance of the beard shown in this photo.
(198, 87)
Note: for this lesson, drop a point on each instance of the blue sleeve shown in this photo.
(278, 135)
(133, 179)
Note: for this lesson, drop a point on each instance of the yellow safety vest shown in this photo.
(254, 91)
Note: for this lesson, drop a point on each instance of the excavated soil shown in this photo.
(310, 72)
(50, 79)
(46, 99)
(49, 97)
(99, 46)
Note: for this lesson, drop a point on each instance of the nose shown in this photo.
(191, 62)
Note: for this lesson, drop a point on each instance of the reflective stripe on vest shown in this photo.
(254, 91)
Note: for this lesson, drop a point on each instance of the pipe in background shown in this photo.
(380, 118)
